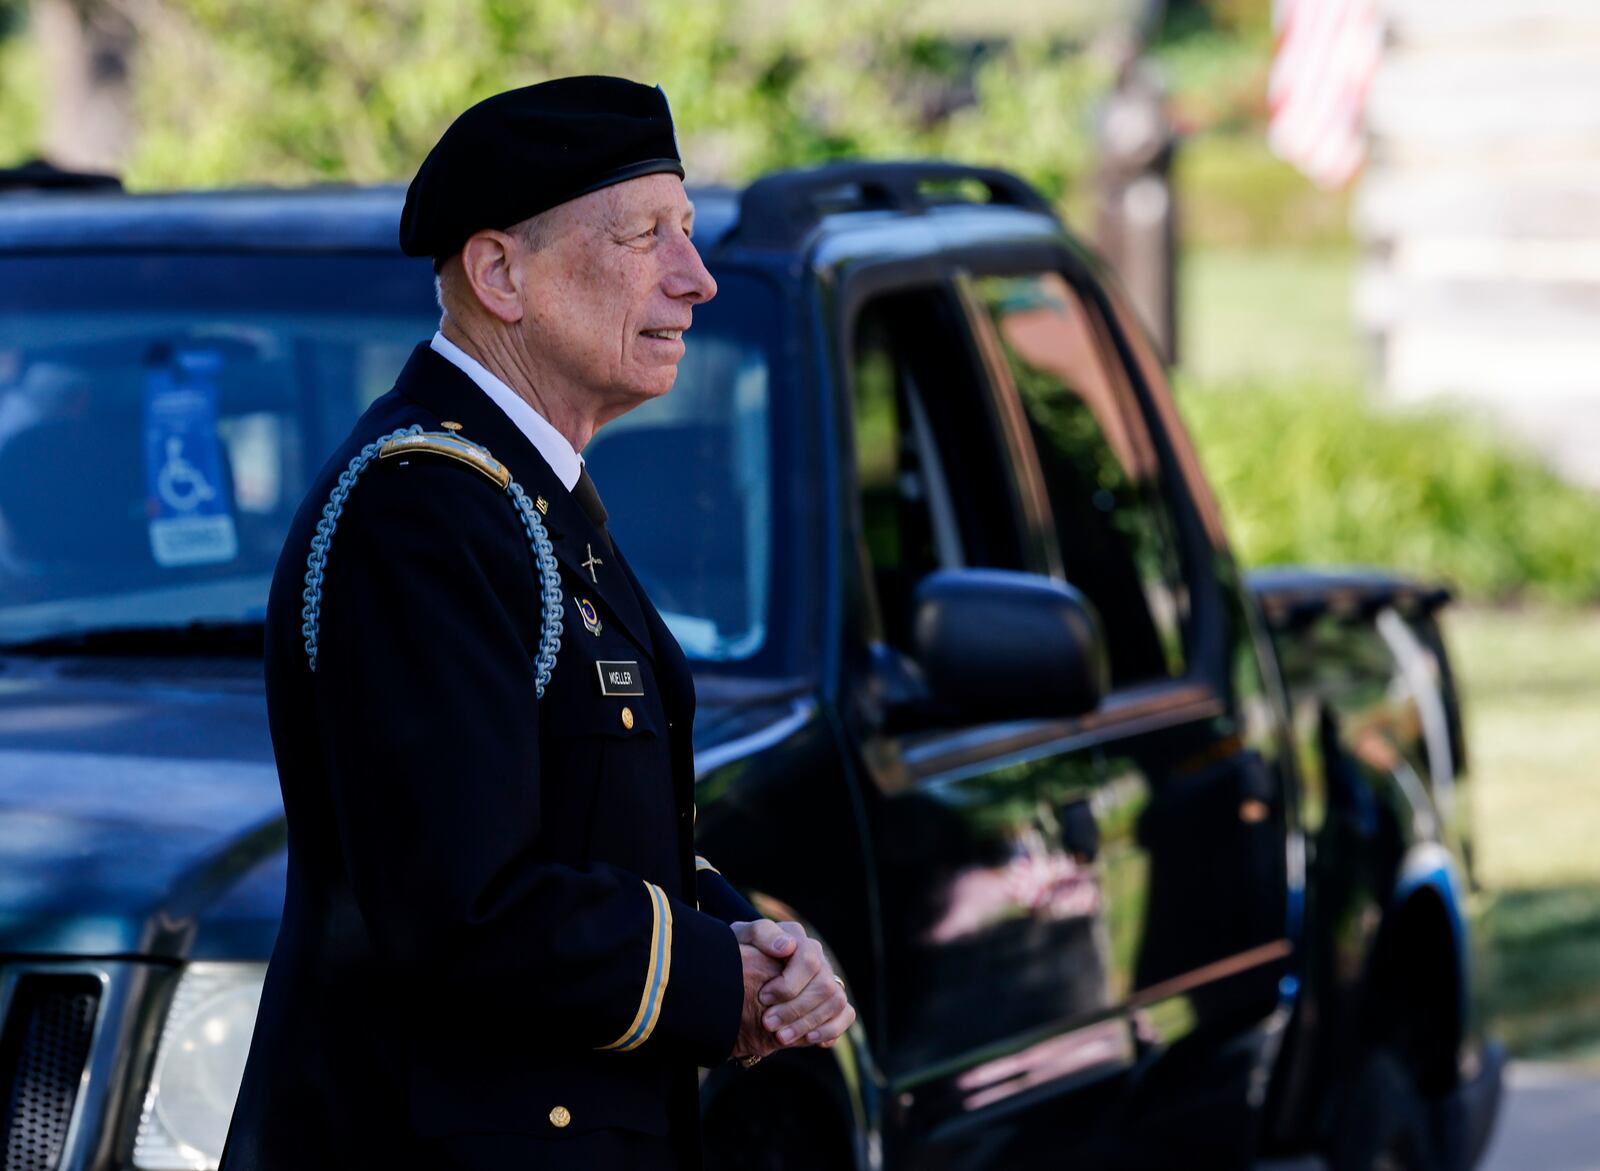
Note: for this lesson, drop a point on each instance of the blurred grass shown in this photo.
(1237, 194)
(1531, 680)
(1277, 313)
(22, 89)
(1531, 684)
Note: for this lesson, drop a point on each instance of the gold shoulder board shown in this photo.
(450, 446)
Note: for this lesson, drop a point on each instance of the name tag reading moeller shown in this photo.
(620, 678)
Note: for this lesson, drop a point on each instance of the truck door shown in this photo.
(997, 958)
(1186, 803)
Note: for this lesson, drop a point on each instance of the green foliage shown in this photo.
(1230, 17)
(1531, 694)
(1541, 981)
(236, 91)
(1234, 192)
(1313, 474)
(1217, 77)
(11, 15)
(21, 84)
(1269, 314)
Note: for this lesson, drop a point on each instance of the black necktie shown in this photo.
(588, 498)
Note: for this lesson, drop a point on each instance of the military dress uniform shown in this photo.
(498, 946)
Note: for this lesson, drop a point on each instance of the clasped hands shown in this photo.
(791, 995)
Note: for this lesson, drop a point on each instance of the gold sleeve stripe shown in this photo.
(657, 969)
(701, 864)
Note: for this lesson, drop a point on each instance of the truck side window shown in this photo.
(1100, 468)
(933, 490)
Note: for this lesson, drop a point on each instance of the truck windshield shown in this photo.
(161, 417)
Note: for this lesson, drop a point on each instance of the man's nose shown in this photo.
(688, 279)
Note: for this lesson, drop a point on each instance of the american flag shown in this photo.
(1326, 54)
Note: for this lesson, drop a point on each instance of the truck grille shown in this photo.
(43, 1049)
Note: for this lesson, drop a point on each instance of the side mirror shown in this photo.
(996, 645)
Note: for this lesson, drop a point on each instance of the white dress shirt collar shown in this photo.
(557, 452)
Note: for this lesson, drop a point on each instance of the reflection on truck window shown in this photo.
(687, 479)
(161, 418)
(1100, 469)
(895, 473)
(933, 489)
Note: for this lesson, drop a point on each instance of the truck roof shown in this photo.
(780, 212)
(312, 219)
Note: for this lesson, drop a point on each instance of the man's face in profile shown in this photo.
(613, 288)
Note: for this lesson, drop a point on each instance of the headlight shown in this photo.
(199, 1065)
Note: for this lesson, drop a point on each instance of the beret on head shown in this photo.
(526, 150)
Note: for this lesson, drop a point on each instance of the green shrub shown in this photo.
(1233, 192)
(1312, 474)
(346, 90)
(22, 89)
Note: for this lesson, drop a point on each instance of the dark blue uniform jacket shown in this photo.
(498, 947)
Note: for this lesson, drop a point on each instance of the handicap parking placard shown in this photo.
(191, 518)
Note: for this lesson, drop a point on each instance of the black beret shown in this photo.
(526, 150)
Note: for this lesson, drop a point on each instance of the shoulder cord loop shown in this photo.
(543, 555)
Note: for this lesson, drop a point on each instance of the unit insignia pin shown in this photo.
(591, 617)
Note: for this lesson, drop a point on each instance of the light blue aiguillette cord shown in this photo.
(543, 556)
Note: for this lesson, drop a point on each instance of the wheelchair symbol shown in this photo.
(179, 482)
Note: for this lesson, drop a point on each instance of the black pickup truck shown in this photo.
(1129, 860)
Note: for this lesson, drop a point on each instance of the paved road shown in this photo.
(1550, 1121)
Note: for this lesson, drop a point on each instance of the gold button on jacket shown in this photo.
(560, 1116)
(627, 718)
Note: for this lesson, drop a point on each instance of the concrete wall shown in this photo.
(1480, 215)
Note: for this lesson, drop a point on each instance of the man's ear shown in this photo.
(489, 262)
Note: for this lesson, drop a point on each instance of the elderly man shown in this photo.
(498, 948)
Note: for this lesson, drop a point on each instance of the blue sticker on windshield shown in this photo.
(191, 522)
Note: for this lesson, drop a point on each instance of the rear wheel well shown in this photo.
(1412, 1003)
